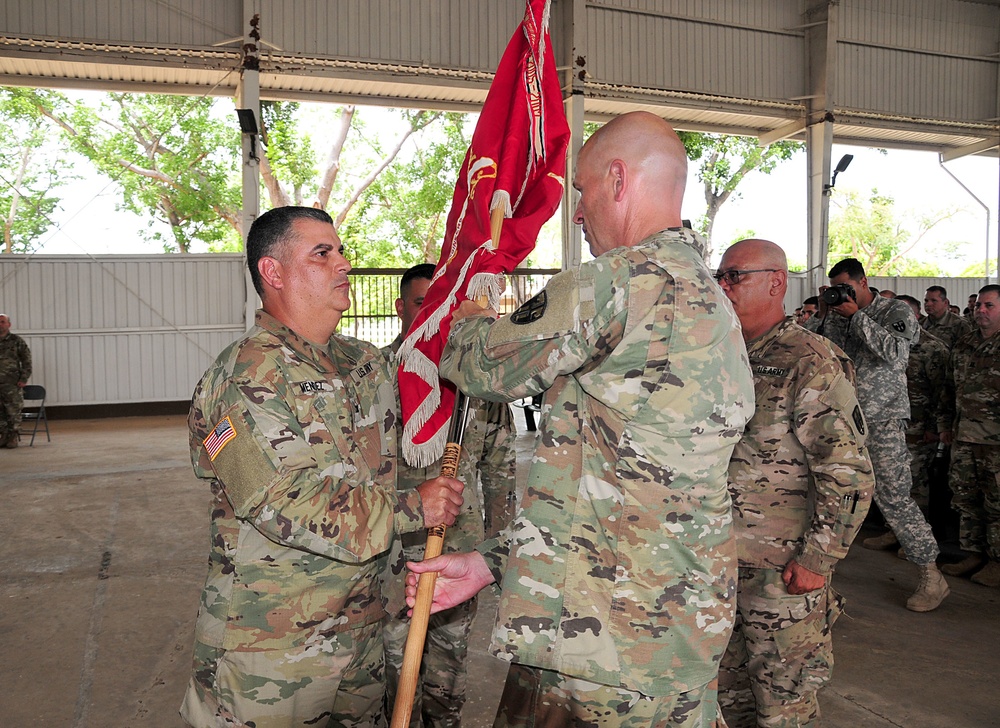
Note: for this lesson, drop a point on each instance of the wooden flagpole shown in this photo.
(416, 636)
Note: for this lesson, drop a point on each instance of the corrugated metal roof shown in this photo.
(745, 89)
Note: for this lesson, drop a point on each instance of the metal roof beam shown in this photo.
(782, 132)
(985, 145)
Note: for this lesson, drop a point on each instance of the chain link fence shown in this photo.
(372, 316)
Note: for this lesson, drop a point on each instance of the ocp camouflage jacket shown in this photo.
(800, 477)
(298, 444)
(620, 567)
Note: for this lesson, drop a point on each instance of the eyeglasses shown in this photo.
(733, 276)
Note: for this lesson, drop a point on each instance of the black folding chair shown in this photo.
(35, 393)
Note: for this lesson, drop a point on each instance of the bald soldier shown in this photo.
(293, 428)
(801, 482)
(618, 575)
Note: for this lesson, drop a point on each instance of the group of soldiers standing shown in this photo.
(702, 464)
(953, 387)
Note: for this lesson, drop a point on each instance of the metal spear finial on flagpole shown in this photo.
(416, 636)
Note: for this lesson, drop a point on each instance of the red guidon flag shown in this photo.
(516, 162)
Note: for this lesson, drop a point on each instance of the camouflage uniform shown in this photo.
(973, 416)
(15, 366)
(925, 374)
(620, 566)
(801, 483)
(878, 338)
(488, 462)
(298, 443)
(948, 329)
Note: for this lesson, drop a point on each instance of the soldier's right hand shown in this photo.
(441, 498)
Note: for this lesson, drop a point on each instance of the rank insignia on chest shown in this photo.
(220, 436)
(530, 311)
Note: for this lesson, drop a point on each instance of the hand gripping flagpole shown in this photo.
(413, 653)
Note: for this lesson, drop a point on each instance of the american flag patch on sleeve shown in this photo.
(222, 434)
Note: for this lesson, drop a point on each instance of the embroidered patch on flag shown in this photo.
(222, 434)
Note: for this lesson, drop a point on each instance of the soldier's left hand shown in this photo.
(470, 308)
(847, 309)
(441, 499)
(800, 580)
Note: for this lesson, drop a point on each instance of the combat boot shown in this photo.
(11, 442)
(880, 543)
(989, 575)
(965, 566)
(930, 592)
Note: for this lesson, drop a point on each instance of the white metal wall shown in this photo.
(112, 329)
(959, 289)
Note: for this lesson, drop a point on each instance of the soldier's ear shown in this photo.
(270, 270)
(779, 283)
(619, 177)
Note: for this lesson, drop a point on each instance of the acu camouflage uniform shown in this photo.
(973, 417)
(487, 468)
(925, 377)
(878, 338)
(298, 444)
(801, 482)
(619, 571)
(15, 366)
(948, 329)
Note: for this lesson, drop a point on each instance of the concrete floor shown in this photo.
(102, 560)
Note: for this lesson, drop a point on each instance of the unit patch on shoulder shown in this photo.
(530, 311)
(220, 436)
(859, 419)
(899, 326)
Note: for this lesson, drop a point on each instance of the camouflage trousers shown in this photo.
(11, 403)
(537, 698)
(921, 458)
(974, 478)
(891, 462)
(441, 685)
(332, 683)
(780, 654)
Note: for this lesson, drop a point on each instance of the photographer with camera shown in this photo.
(876, 333)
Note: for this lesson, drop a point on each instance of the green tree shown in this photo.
(982, 269)
(171, 155)
(387, 193)
(31, 169)
(402, 217)
(871, 231)
(725, 161)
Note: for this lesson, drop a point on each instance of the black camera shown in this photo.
(838, 294)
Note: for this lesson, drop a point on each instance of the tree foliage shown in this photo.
(31, 169)
(173, 157)
(387, 192)
(725, 162)
(871, 231)
(402, 218)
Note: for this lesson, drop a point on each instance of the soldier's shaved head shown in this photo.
(631, 176)
(758, 295)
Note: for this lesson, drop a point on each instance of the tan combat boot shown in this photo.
(989, 575)
(930, 592)
(965, 566)
(880, 543)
